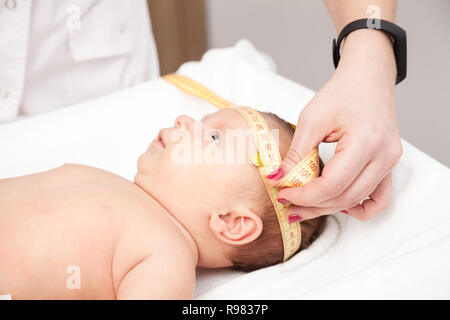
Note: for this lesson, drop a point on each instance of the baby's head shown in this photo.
(202, 173)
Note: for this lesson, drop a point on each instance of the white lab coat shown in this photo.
(55, 53)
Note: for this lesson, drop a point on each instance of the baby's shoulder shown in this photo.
(174, 245)
(82, 169)
(82, 173)
(168, 272)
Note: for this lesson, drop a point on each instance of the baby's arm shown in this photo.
(159, 276)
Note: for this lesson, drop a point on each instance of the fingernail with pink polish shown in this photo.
(294, 218)
(281, 200)
(276, 175)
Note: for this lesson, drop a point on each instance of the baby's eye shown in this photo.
(214, 136)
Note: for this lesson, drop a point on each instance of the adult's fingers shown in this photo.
(379, 200)
(299, 213)
(348, 161)
(364, 184)
(309, 133)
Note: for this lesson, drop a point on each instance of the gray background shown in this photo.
(298, 34)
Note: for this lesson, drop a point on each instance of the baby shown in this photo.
(78, 232)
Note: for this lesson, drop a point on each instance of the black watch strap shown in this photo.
(397, 33)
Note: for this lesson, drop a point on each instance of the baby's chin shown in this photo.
(145, 161)
(141, 176)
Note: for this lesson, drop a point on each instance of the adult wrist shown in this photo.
(369, 51)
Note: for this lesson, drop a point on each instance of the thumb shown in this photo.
(307, 136)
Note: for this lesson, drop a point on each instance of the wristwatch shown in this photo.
(397, 34)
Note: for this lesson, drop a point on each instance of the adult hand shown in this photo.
(356, 107)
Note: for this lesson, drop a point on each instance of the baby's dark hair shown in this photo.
(267, 249)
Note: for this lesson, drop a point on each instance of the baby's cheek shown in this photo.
(229, 177)
(182, 177)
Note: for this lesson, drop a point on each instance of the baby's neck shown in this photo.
(183, 230)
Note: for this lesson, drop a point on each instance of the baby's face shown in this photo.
(197, 167)
(200, 159)
(201, 173)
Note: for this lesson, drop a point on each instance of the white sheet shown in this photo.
(402, 253)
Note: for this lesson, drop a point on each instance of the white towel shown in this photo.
(5, 297)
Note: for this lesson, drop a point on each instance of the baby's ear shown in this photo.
(236, 227)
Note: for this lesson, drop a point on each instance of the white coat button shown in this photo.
(10, 4)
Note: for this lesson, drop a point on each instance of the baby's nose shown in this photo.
(183, 121)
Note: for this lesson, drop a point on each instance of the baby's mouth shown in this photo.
(160, 138)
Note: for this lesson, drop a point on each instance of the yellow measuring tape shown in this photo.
(267, 158)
